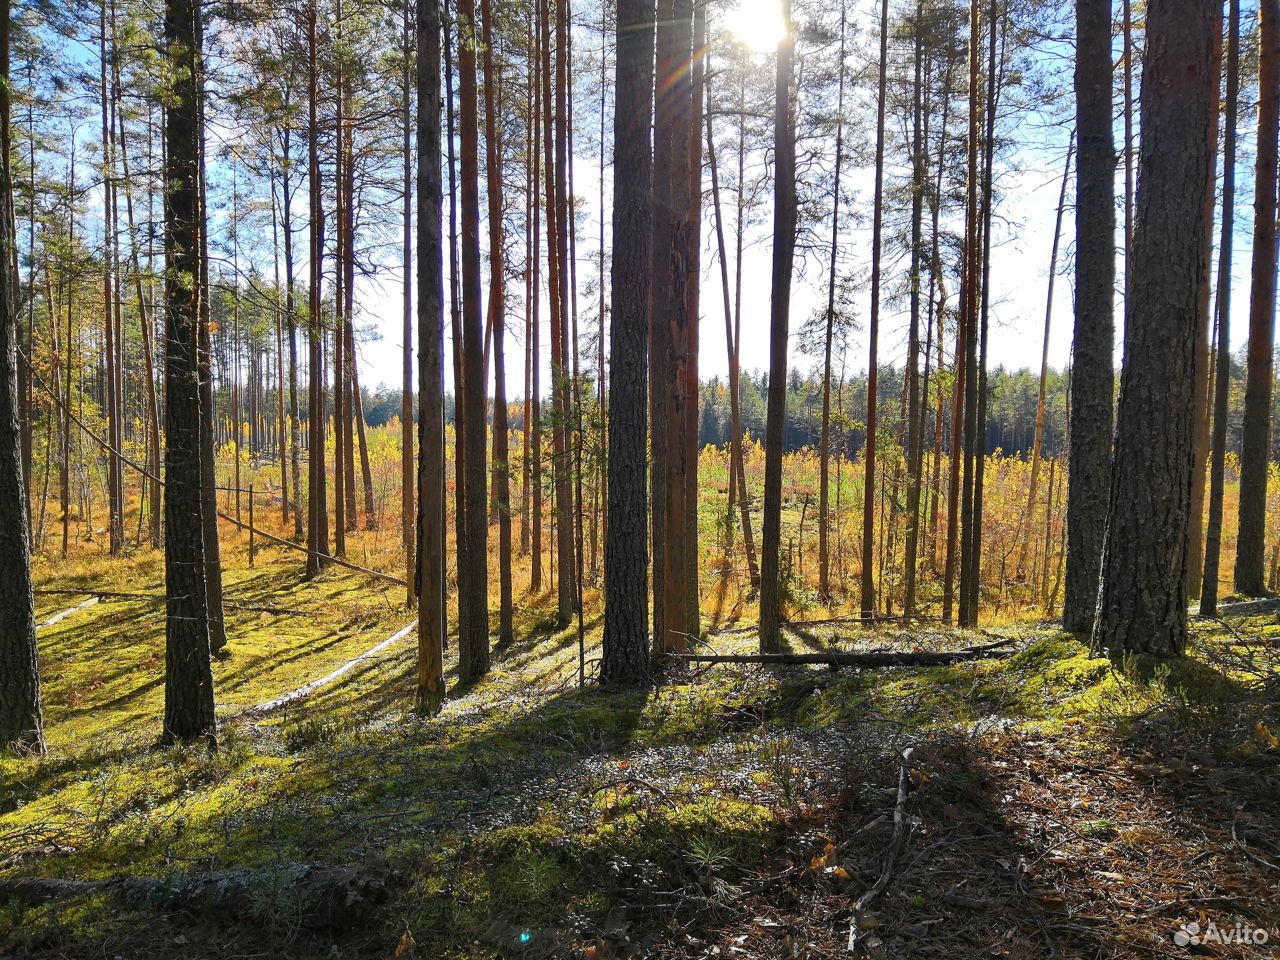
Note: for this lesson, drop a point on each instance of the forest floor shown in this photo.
(1058, 804)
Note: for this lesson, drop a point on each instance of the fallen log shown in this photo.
(841, 658)
(1249, 608)
(315, 896)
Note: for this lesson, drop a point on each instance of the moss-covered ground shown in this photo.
(1061, 804)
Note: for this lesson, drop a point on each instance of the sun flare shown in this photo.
(757, 23)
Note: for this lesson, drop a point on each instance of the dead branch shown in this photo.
(900, 829)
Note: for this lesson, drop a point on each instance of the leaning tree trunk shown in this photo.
(1255, 442)
(1142, 606)
(20, 719)
(188, 689)
(1092, 379)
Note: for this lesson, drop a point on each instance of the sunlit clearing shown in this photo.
(757, 23)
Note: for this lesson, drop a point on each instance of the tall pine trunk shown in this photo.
(824, 436)
(407, 465)
(498, 323)
(1222, 383)
(188, 688)
(868, 594)
(21, 724)
(626, 640)
(784, 239)
(1142, 605)
(317, 507)
(473, 579)
(430, 567)
(1255, 443)
(1092, 377)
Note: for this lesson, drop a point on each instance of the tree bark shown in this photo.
(1222, 383)
(473, 579)
(784, 239)
(868, 593)
(209, 506)
(1256, 434)
(626, 615)
(188, 711)
(1092, 377)
(824, 436)
(21, 722)
(430, 566)
(317, 508)
(498, 323)
(1142, 601)
(407, 498)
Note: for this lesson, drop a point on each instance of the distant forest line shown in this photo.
(1011, 409)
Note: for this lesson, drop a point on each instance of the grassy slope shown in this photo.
(1059, 800)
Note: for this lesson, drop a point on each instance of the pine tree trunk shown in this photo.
(824, 439)
(407, 466)
(784, 238)
(455, 328)
(317, 507)
(560, 370)
(1222, 385)
(473, 579)
(626, 640)
(1142, 601)
(868, 594)
(21, 725)
(1092, 377)
(209, 505)
(672, 319)
(1256, 432)
(341, 446)
(1203, 372)
(189, 711)
(498, 323)
(430, 567)
(915, 417)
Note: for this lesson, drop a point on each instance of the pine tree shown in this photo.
(1256, 436)
(21, 724)
(784, 239)
(188, 713)
(1092, 379)
(1142, 600)
(626, 641)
